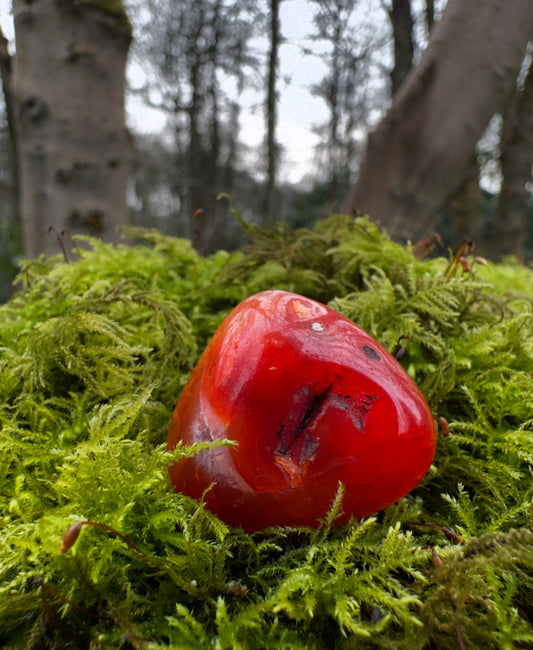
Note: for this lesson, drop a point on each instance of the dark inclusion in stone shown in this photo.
(295, 434)
(289, 434)
(371, 353)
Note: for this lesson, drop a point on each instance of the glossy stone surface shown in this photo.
(311, 399)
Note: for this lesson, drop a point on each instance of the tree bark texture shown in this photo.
(516, 159)
(430, 15)
(402, 30)
(271, 112)
(465, 210)
(6, 70)
(73, 144)
(419, 154)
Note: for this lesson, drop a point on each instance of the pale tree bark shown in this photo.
(516, 160)
(72, 140)
(419, 154)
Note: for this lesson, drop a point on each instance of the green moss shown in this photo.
(93, 356)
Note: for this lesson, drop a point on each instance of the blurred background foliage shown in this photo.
(207, 91)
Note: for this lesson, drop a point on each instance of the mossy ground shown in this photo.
(93, 356)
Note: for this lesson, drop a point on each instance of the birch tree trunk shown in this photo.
(418, 155)
(73, 144)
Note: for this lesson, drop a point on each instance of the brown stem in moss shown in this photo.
(60, 240)
(445, 427)
(70, 602)
(459, 637)
(426, 246)
(459, 259)
(52, 618)
(71, 239)
(436, 559)
(451, 535)
(72, 534)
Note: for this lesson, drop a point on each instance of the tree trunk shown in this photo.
(419, 153)
(6, 70)
(271, 112)
(516, 159)
(430, 15)
(466, 210)
(402, 31)
(208, 219)
(196, 155)
(196, 159)
(72, 140)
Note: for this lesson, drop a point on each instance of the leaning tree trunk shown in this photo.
(73, 144)
(419, 153)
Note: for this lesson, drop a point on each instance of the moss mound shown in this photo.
(93, 356)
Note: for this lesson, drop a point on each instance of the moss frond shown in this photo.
(93, 357)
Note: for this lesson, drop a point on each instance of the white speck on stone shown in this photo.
(318, 327)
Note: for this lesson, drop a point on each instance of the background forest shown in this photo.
(268, 101)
